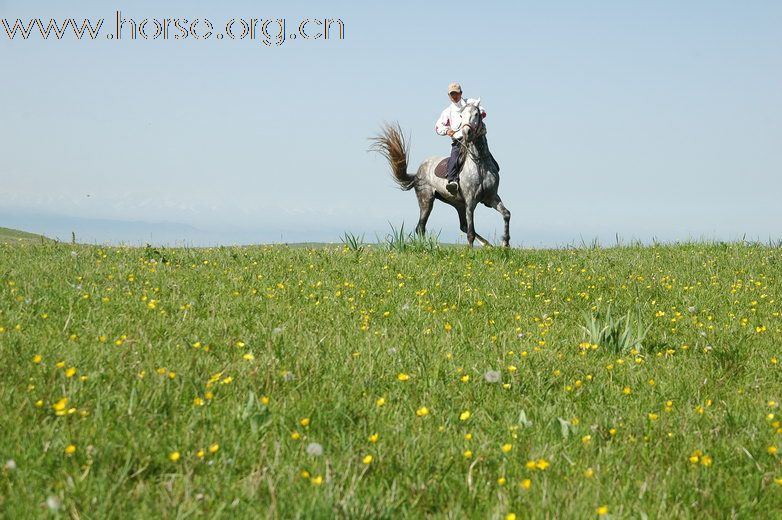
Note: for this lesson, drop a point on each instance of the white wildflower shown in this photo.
(314, 449)
(53, 503)
(492, 376)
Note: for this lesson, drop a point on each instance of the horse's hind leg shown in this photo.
(463, 226)
(425, 204)
(497, 204)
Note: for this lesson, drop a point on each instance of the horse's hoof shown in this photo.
(505, 243)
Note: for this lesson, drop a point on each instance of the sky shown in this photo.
(649, 121)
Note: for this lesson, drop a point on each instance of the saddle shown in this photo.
(441, 170)
(442, 167)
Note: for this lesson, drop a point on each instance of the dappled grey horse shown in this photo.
(478, 177)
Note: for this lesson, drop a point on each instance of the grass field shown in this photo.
(319, 383)
(11, 236)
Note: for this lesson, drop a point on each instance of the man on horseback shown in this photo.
(474, 182)
(449, 124)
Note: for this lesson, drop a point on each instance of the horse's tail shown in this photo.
(391, 144)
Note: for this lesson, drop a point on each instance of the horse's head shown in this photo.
(472, 122)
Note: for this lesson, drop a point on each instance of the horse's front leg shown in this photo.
(463, 226)
(469, 212)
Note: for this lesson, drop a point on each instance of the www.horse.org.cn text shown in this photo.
(268, 32)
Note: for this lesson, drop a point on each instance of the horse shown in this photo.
(478, 178)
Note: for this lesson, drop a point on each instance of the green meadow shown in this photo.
(11, 236)
(371, 382)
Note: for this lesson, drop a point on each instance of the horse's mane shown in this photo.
(482, 156)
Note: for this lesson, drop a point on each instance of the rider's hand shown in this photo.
(450, 132)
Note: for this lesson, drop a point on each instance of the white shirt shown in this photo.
(451, 118)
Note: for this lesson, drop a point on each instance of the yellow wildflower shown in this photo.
(542, 464)
(60, 405)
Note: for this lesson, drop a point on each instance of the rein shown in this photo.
(479, 129)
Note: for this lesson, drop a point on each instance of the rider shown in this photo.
(448, 124)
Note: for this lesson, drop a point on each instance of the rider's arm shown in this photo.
(443, 124)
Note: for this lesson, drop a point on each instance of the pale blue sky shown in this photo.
(648, 119)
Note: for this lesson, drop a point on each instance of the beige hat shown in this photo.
(454, 87)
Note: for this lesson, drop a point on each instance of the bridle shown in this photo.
(478, 130)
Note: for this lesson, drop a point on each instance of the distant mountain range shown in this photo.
(137, 233)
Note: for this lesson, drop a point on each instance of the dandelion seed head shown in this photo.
(492, 376)
(314, 449)
(53, 503)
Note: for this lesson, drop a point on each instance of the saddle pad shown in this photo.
(441, 169)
